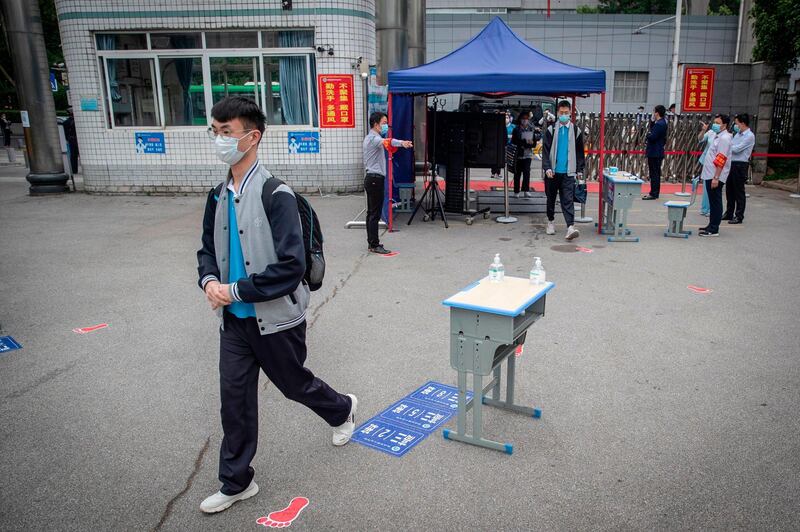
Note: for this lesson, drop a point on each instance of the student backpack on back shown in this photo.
(312, 234)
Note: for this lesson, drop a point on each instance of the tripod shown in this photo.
(434, 202)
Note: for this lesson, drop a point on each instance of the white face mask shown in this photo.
(227, 149)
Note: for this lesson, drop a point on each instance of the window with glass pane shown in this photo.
(235, 76)
(287, 39)
(175, 41)
(121, 41)
(182, 91)
(288, 90)
(131, 84)
(630, 87)
(231, 39)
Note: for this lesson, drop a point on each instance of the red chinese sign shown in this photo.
(698, 89)
(336, 107)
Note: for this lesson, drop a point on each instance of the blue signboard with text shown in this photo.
(303, 142)
(387, 437)
(147, 143)
(440, 394)
(417, 415)
(8, 344)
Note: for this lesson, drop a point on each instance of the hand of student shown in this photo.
(408, 144)
(211, 291)
(549, 173)
(224, 294)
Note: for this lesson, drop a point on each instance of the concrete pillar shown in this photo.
(23, 26)
(416, 56)
(391, 19)
(746, 39)
(697, 7)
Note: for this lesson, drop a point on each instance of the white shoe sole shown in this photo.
(572, 236)
(353, 410)
(246, 494)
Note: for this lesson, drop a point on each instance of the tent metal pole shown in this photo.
(391, 165)
(601, 160)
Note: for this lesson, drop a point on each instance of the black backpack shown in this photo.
(312, 234)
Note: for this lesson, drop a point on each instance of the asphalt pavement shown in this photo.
(663, 409)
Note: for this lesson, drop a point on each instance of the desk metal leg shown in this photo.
(462, 403)
(477, 402)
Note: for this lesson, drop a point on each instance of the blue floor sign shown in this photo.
(387, 437)
(400, 427)
(439, 394)
(8, 344)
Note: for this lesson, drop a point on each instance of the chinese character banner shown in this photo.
(698, 89)
(336, 101)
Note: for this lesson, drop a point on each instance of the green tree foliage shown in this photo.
(776, 27)
(715, 7)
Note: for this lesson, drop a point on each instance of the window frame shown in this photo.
(205, 54)
(628, 84)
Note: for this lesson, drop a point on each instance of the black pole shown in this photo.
(23, 25)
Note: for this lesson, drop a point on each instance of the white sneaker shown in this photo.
(551, 228)
(528, 194)
(572, 233)
(343, 432)
(219, 501)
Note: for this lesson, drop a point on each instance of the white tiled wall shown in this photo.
(108, 157)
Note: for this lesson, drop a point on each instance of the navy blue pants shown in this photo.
(243, 352)
(654, 168)
(715, 202)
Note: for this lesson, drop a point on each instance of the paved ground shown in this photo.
(663, 409)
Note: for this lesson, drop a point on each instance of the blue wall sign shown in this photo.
(436, 393)
(53, 82)
(8, 344)
(89, 104)
(387, 437)
(303, 142)
(146, 143)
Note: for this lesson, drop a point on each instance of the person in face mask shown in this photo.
(656, 139)
(522, 138)
(563, 161)
(374, 181)
(251, 267)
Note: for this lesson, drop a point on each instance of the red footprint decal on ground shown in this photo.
(84, 330)
(699, 290)
(518, 351)
(583, 249)
(284, 518)
(390, 254)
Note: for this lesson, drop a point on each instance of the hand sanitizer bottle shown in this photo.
(537, 272)
(496, 270)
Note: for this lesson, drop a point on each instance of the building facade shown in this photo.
(144, 76)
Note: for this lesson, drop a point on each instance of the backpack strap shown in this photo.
(218, 191)
(270, 186)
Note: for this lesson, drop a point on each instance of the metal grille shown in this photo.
(626, 132)
(782, 121)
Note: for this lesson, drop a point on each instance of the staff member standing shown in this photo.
(716, 167)
(375, 168)
(251, 266)
(563, 161)
(656, 139)
(741, 149)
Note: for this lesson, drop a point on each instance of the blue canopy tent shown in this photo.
(495, 62)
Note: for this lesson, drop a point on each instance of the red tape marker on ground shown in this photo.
(283, 518)
(699, 289)
(84, 330)
(584, 250)
(390, 254)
